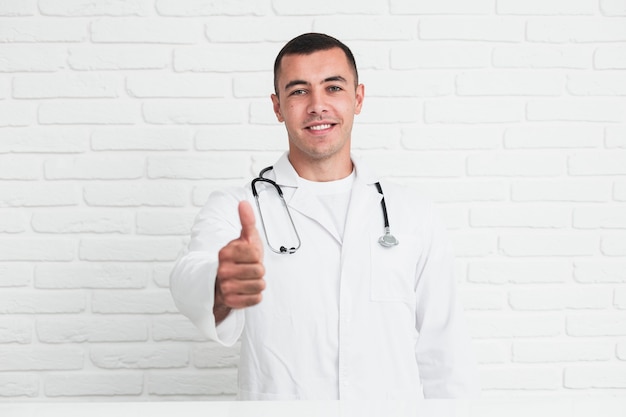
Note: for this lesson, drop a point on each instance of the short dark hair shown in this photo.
(309, 43)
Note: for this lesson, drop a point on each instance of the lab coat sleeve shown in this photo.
(192, 280)
(443, 350)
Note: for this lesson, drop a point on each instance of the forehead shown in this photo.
(314, 67)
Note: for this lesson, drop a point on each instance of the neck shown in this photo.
(323, 170)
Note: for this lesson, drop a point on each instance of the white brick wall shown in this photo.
(118, 118)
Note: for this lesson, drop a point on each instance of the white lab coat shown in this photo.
(347, 321)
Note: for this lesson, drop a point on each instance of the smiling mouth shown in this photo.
(321, 127)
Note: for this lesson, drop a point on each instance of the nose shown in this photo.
(317, 103)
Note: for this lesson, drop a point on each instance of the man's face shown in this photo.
(317, 100)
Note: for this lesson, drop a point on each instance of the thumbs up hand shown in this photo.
(240, 270)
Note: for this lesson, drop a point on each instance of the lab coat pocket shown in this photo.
(393, 270)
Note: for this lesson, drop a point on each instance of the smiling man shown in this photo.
(303, 268)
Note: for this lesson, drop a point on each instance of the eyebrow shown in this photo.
(326, 80)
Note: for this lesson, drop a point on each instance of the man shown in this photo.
(323, 310)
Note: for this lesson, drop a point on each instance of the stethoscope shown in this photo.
(387, 240)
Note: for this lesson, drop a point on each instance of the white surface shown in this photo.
(608, 407)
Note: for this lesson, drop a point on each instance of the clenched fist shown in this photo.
(240, 270)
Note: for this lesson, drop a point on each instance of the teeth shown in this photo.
(320, 127)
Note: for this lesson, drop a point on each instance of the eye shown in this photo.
(334, 88)
(297, 92)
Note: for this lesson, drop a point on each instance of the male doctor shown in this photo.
(333, 314)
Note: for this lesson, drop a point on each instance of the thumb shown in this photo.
(246, 217)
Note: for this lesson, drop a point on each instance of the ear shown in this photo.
(276, 104)
(360, 95)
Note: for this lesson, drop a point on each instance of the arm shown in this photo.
(443, 351)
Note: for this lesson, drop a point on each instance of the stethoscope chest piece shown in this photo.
(388, 240)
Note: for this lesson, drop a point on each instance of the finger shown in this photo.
(246, 217)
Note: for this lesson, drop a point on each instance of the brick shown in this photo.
(178, 85)
(489, 352)
(462, 191)
(600, 218)
(561, 350)
(206, 167)
(577, 110)
(377, 28)
(476, 110)
(32, 58)
(596, 324)
(607, 84)
(595, 376)
(82, 222)
(16, 330)
(621, 351)
(88, 112)
(37, 194)
(408, 84)
(67, 86)
(451, 138)
(133, 302)
(16, 114)
(515, 164)
(77, 8)
(161, 194)
(268, 29)
(148, 356)
(18, 385)
(13, 222)
(614, 245)
(19, 168)
(261, 113)
(619, 192)
(440, 56)
(521, 216)
(513, 378)
(597, 163)
(178, 329)
(169, 223)
(193, 8)
(141, 139)
(559, 136)
(36, 249)
(405, 110)
(613, 7)
(540, 298)
(16, 275)
(89, 167)
(472, 29)
(254, 85)
(543, 56)
(416, 164)
(576, 30)
(509, 83)
(539, 7)
(92, 329)
(619, 300)
(548, 244)
(34, 302)
(20, 8)
(131, 249)
(406, 7)
(213, 355)
(241, 138)
(224, 58)
(93, 384)
(91, 276)
(215, 382)
(145, 30)
(610, 57)
(118, 57)
(38, 358)
(574, 190)
(519, 272)
(482, 299)
(350, 7)
(45, 140)
(41, 30)
(187, 112)
(469, 244)
(615, 137)
(515, 325)
(603, 271)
